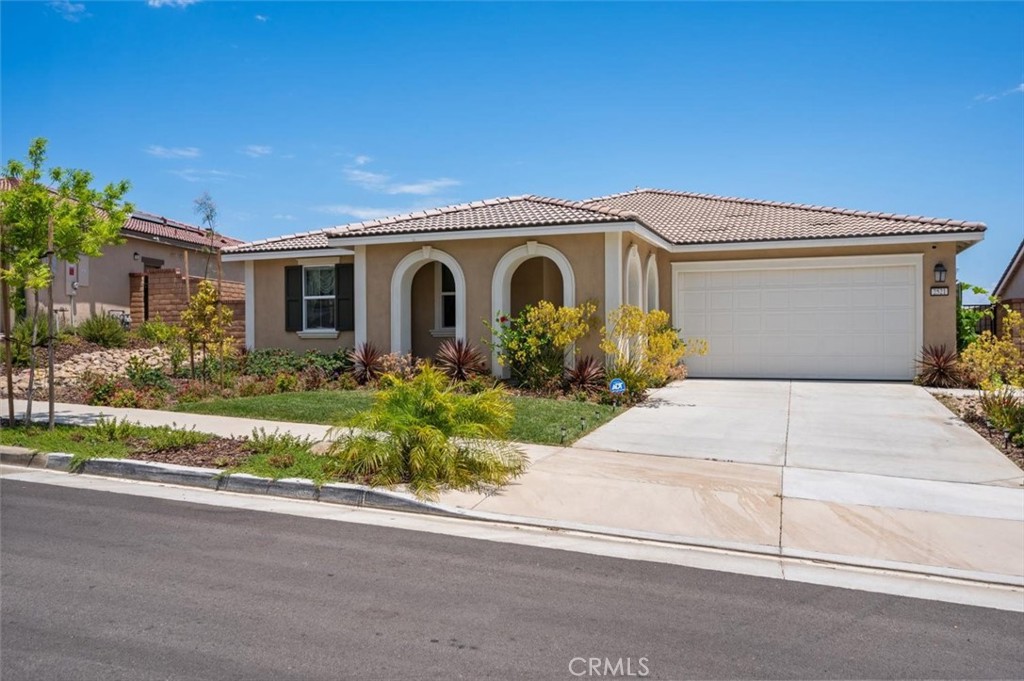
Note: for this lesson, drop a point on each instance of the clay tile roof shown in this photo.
(302, 241)
(165, 228)
(688, 218)
(513, 211)
(157, 226)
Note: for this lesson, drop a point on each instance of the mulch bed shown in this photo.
(216, 453)
(969, 409)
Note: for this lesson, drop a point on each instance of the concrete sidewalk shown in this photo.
(955, 529)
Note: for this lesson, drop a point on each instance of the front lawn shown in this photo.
(538, 420)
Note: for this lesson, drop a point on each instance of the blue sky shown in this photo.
(296, 116)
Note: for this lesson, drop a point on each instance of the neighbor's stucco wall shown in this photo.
(268, 322)
(478, 258)
(109, 287)
(1014, 289)
(939, 311)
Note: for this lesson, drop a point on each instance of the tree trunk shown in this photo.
(5, 303)
(51, 324)
(32, 360)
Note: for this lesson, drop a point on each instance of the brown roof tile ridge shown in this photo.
(163, 221)
(579, 205)
(806, 206)
(278, 239)
(427, 212)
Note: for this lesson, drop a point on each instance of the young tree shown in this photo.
(206, 323)
(49, 216)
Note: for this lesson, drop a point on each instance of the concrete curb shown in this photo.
(363, 496)
(240, 483)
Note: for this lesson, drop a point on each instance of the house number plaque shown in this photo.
(940, 290)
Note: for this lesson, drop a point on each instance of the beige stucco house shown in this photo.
(778, 290)
(1010, 289)
(124, 279)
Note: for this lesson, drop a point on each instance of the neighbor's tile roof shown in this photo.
(157, 226)
(686, 218)
(165, 228)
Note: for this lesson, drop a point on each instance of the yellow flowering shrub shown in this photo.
(991, 361)
(644, 349)
(533, 343)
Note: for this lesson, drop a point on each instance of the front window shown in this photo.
(447, 306)
(318, 298)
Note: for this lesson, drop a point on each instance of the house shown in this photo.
(1010, 289)
(779, 290)
(144, 276)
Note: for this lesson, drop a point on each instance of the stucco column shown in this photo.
(612, 273)
(359, 273)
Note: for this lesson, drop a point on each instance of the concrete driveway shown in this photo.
(887, 429)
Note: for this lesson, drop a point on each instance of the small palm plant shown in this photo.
(460, 360)
(423, 433)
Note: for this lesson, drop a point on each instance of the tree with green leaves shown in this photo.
(205, 322)
(48, 216)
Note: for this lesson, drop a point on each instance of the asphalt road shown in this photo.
(97, 585)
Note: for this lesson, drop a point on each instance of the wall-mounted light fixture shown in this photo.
(136, 256)
(940, 273)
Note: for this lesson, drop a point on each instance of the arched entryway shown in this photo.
(634, 278)
(431, 281)
(526, 275)
(651, 283)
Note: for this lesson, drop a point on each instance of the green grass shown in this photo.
(538, 420)
(77, 440)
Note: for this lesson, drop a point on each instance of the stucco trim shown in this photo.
(633, 284)
(829, 243)
(501, 285)
(359, 274)
(401, 295)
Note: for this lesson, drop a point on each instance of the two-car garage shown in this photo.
(828, 318)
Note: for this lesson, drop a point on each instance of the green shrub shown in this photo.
(99, 388)
(112, 430)
(286, 383)
(103, 330)
(269, 362)
(21, 340)
(142, 375)
(424, 433)
(282, 455)
(1004, 409)
(533, 344)
(164, 438)
(644, 347)
(158, 331)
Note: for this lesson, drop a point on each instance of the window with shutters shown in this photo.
(319, 298)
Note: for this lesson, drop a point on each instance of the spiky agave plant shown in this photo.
(939, 367)
(424, 433)
(459, 360)
(367, 363)
(585, 375)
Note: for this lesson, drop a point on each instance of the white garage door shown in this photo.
(842, 318)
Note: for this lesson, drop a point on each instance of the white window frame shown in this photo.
(439, 330)
(317, 332)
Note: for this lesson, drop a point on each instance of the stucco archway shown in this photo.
(501, 282)
(651, 283)
(401, 295)
(634, 278)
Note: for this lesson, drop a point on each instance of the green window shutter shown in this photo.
(345, 297)
(293, 298)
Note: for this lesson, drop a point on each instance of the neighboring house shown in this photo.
(779, 290)
(1010, 289)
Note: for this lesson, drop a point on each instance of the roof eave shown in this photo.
(965, 238)
(1015, 264)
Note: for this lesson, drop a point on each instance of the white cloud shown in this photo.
(262, 18)
(361, 212)
(173, 152)
(423, 187)
(382, 183)
(203, 175)
(1016, 90)
(70, 11)
(285, 216)
(256, 150)
(171, 3)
